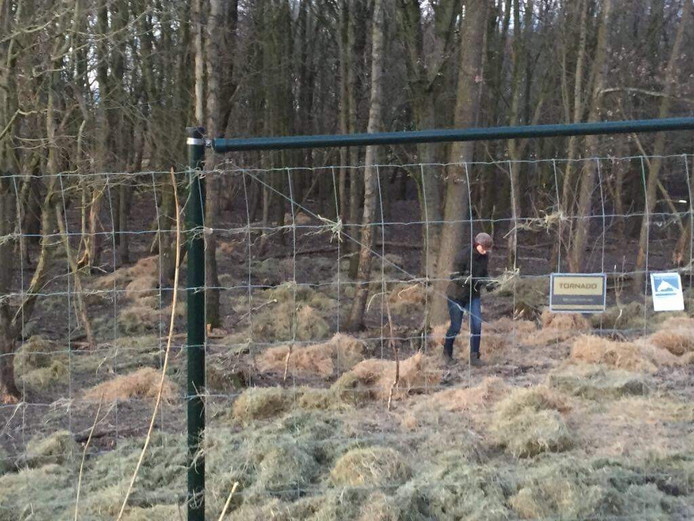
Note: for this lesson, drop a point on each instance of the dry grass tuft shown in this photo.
(557, 327)
(596, 383)
(370, 467)
(623, 355)
(276, 323)
(341, 353)
(630, 316)
(155, 513)
(143, 383)
(147, 267)
(676, 335)
(528, 423)
(257, 403)
(640, 355)
(486, 394)
(36, 353)
(285, 468)
(564, 321)
(58, 448)
(40, 363)
(44, 377)
(372, 378)
(407, 299)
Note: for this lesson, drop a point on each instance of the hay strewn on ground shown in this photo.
(407, 299)
(596, 383)
(59, 448)
(486, 394)
(339, 354)
(632, 356)
(372, 379)
(293, 312)
(498, 337)
(40, 363)
(143, 383)
(676, 335)
(557, 327)
(528, 423)
(370, 467)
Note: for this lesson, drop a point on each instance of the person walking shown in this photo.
(470, 275)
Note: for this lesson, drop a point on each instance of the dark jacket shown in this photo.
(469, 275)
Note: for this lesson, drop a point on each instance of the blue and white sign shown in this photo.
(667, 292)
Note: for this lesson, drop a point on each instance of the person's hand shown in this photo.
(492, 284)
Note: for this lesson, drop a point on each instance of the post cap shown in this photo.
(195, 132)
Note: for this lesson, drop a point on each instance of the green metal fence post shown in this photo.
(195, 209)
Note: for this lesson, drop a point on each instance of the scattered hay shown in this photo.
(275, 323)
(407, 299)
(284, 470)
(529, 295)
(632, 356)
(503, 334)
(675, 336)
(342, 352)
(628, 317)
(486, 394)
(257, 403)
(380, 507)
(572, 489)
(36, 493)
(533, 399)
(143, 383)
(142, 287)
(532, 434)
(38, 353)
(59, 448)
(6, 464)
(556, 328)
(460, 491)
(528, 423)
(122, 354)
(44, 377)
(564, 321)
(372, 378)
(595, 383)
(370, 467)
(161, 477)
(142, 318)
(147, 267)
(155, 513)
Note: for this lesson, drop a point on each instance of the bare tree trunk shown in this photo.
(356, 315)
(656, 162)
(214, 51)
(8, 389)
(456, 207)
(588, 179)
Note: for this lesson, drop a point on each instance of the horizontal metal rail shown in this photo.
(222, 145)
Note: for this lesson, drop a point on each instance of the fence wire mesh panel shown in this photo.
(327, 394)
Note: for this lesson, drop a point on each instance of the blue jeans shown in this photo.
(456, 310)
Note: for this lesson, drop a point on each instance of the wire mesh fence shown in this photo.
(313, 415)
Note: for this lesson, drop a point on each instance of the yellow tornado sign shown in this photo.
(580, 293)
